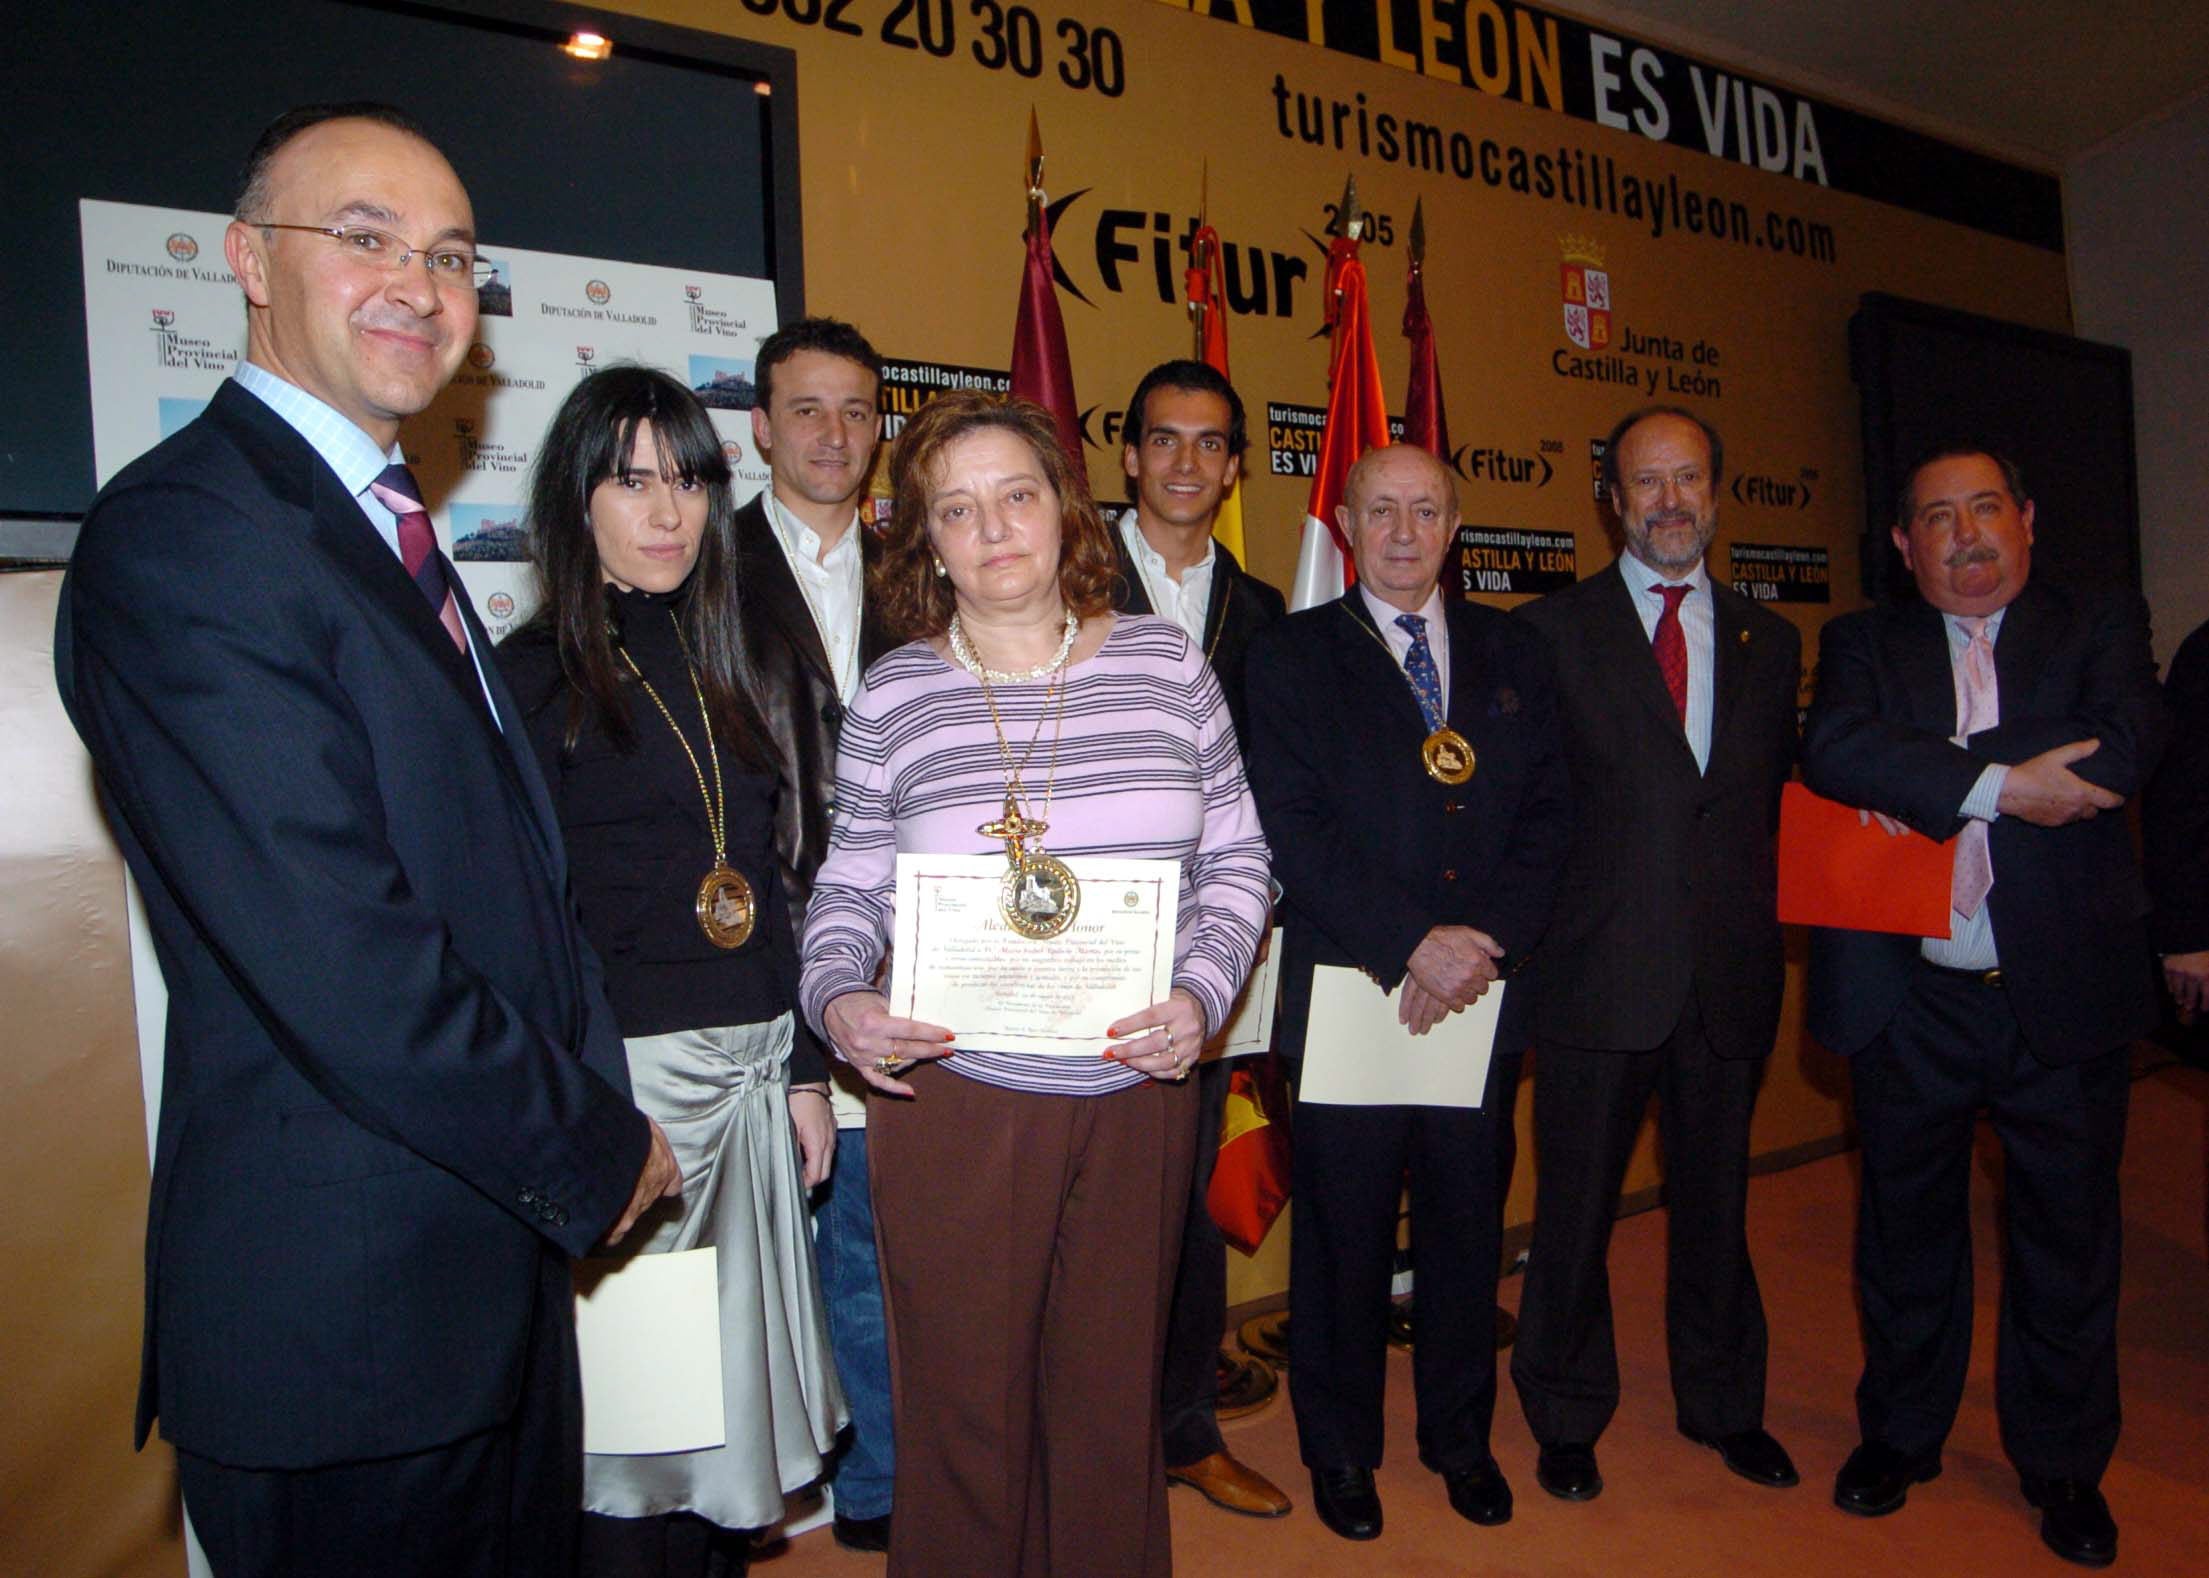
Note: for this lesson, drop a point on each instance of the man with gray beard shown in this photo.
(1662, 969)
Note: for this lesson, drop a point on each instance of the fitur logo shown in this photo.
(1587, 291)
(599, 292)
(182, 247)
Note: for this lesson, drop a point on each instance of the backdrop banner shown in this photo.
(164, 325)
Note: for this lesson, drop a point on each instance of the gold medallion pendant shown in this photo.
(726, 909)
(1448, 756)
(1039, 896)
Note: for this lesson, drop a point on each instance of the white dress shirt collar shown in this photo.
(1185, 601)
(1386, 614)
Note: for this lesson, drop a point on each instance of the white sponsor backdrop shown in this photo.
(164, 325)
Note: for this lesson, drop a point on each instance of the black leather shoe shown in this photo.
(1480, 1495)
(2074, 1520)
(1876, 1479)
(1347, 1502)
(1752, 1454)
(863, 1534)
(1568, 1472)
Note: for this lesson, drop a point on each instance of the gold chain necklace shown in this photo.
(1446, 754)
(1039, 895)
(726, 907)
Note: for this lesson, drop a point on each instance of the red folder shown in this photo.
(1837, 871)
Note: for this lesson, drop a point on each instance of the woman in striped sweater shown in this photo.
(1029, 1207)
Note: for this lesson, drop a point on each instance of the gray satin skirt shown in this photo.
(722, 1097)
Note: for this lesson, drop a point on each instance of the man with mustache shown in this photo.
(2009, 715)
(1662, 969)
(394, 1100)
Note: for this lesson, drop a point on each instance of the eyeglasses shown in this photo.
(386, 253)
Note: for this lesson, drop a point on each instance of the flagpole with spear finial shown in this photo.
(1041, 368)
(1206, 282)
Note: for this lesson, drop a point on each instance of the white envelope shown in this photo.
(649, 1331)
(1357, 1055)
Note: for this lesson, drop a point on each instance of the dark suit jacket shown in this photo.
(2175, 812)
(796, 693)
(1370, 852)
(2068, 906)
(1672, 882)
(1240, 606)
(394, 1096)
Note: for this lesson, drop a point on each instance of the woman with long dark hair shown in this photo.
(631, 682)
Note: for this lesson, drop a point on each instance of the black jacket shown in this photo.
(639, 842)
(2175, 811)
(2068, 906)
(796, 693)
(1240, 606)
(1673, 880)
(1370, 852)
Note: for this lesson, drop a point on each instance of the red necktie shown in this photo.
(1670, 644)
(396, 490)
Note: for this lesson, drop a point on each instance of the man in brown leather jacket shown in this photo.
(808, 637)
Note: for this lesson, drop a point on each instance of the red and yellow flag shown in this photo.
(1357, 420)
(1250, 1182)
(1206, 281)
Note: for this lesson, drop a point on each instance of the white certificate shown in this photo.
(1249, 1027)
(648, 1333)
(955, 962)
(1357, 1055)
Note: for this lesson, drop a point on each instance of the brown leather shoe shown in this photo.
(1236, 1486)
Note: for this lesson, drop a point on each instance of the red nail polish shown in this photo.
(1113, 1033)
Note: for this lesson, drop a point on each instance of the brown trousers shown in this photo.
(1028, 1246)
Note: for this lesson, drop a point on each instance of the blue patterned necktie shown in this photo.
(1426, 680)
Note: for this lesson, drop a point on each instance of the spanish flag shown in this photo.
(1206, 281)
(1250, 1182)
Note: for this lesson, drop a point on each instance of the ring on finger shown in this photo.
(890, 1063)
(1181, 1071)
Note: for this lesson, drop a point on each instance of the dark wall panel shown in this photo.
(669, 153)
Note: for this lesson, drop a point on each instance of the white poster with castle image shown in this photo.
(164, 325)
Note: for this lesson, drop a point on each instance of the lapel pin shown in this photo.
(1743, 638)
